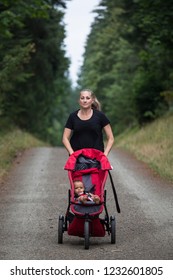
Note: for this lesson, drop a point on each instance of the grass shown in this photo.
(12, 142)
(152, 144)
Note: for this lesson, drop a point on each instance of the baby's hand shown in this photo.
(83, 198)
(96, 199)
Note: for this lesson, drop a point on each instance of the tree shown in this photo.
(127, 60)
(34, 69)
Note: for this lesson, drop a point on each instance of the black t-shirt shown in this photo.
(87, 133)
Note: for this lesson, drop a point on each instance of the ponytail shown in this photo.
(96, 104)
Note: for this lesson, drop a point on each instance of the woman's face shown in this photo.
(85, 99)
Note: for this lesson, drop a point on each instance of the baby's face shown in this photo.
(78, 188)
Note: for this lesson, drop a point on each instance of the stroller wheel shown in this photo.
(60, 229)
(86, 234)
(113, 230)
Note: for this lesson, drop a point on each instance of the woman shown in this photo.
(84, 127)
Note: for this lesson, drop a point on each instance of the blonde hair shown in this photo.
(96, 104)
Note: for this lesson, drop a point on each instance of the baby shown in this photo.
(83, 197)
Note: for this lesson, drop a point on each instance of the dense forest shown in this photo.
(34, 83)
(128, 63)
(128, 60)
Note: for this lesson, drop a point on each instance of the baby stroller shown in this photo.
(91, 167)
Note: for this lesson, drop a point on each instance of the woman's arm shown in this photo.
(66, 140)
(110, 139)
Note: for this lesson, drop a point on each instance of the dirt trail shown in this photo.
(35, 193)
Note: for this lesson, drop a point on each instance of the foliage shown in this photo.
(127, 63)
(34, 68)
(127, 60)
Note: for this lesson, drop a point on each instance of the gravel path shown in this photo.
(36, 193)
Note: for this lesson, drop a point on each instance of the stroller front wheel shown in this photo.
(86, 234)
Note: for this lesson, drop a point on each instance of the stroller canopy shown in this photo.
(88, 153)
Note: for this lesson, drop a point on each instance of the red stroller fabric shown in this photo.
(76, 228)
(97, 177)
(90, 153)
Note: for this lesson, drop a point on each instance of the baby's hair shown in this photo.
(96, 104)
(77, 180)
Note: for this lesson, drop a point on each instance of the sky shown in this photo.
(78, 19)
